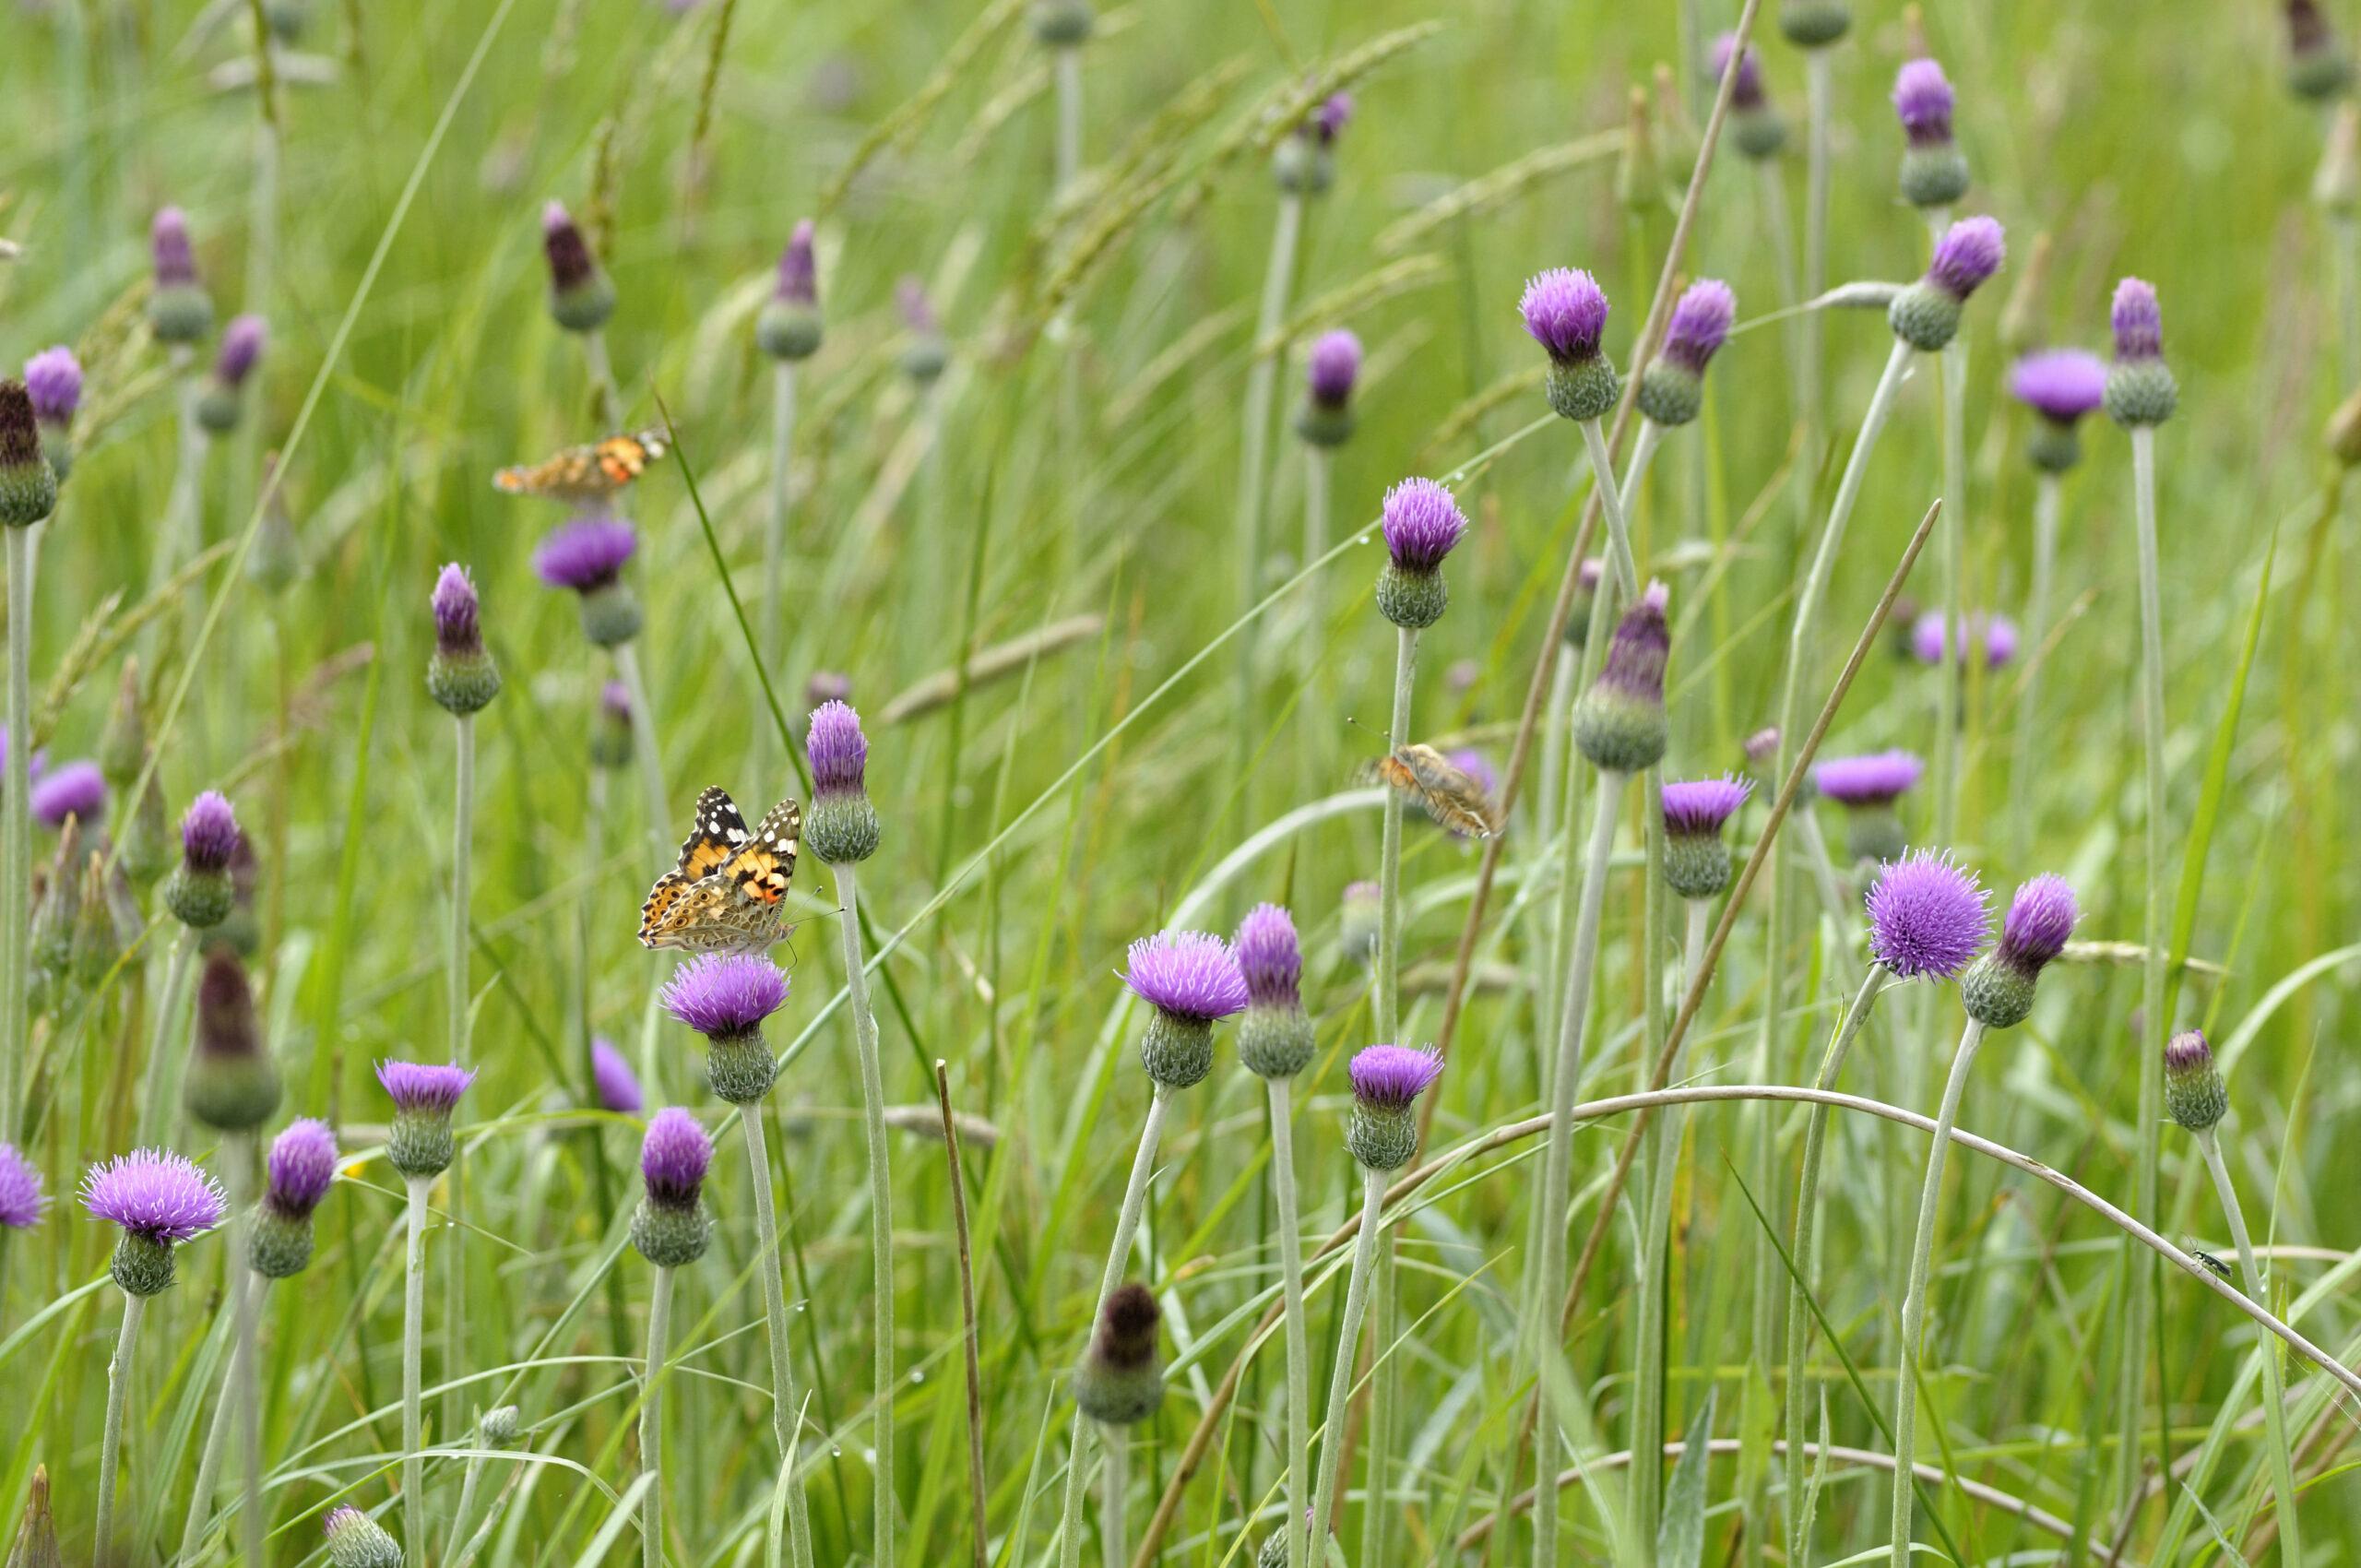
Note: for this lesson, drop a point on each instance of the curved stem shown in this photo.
(2274, 1389)
(1386, 996)
(1299, 1337)
(16, 836)
(786, 1413)
(1914, 1299)
(118, 1396)
(651, 1420)
(413, 1339)
(1340, 1381)
(881, 1209)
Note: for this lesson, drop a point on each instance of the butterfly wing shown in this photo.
(716, 834)
(660, 916)
(1454, 799)
(766, 864)
(584, 473)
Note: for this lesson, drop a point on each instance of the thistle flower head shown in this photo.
(1188, 974)
(1121, 1380)
(926, 355)
(1422, 522)
(1565, 311)
(1877, 778)
(1969, 253)
(1929, 641)
(2317, 67)
(726, 996)
(1392, 1077)
(1269, 957)
(1332, 367)
(674, 1158)
(1620, 722)
(1922, 100)
(233, 1086)
(837, 749)
(1328, 121)
(799, 268)
(2140, 387)
(2041, 917)
(21, 1198)
(209, 832)
(1927, 917)
(788, 326)
(54, 380)
(1701, 323)
(423, 1088)
(2138, 320)
(1700, 806)
(585, 554)
(179, 309)
(355, 1540)
(612, 1081)
(28, 481)
(241, 345)
(158, 1196)
(1745, 91)
(302, 1168)
(581, 294)
(455, 605)
(2193, 1091)
(2061, 384)
(73, 789)
(1762, 748)
(175, 262)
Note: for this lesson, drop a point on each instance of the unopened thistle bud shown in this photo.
(725, 997)
(610, 739)
(926, 353)
(27, 484)
(1357, 921)
(2061, 387)
(232, 1085)
(581, 295)
(1062, 24)
(1304, 163)
(1332, 367)
(1867, 787)
(1620, 722)
(2193, 1091)
(57, 906)
(355, 1540)
(1696, 861)
(669, 1227)
(2140, 385)
(302, 1168)
(789, 327)
(1934, 172)
(1121, 1380)
(160, 1200)
(425, 1094)
(1421, 524)
(1191, 981)
(1997, 993)
(1927, 917)
(1387, 1081)
(241, 345)
(179, 309)
(54, 380)
(199, 891)
(1814, 24)
(2318, 65)
(460, 674)
(1759, 131)
(499, 1426)
(1926, 314)
(1639, 173)
(1672, 389)
(587, 555)
(1274, 1038)
(1565, 312)
(842, 827)
(107, 922)
(123, 743)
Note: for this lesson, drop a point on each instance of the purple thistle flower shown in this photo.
(585, 554)
(799, 268)
(1701, 323)
(839, 752)
(302, 1167)
(1565, 311)
(2061, 384)
(1392, 1077)
(614, 702)
(1591, 573)
(612, 1081)
(1762, 748)
(1329, 120)
(1422, 522)
(826, 687)
(54, 380)
(1619, 723)
(1997, 633)
(1478, 766)
(161, 1198)
(674, 1158)
(1270, 959)
(571, 264)
(2041, 917)
(1922, 99)
(2193, 1091)
(1189, 974)
(21, 1198)
(1696, 807)
(241, 345)
(1746, 92)
(1878, 778)
(726, 996)
(1334, 364)
(2138, 320)
(75, 789)
(168, 241)
(1969, 253)
(423, 1088)
(456, 628)
(1927, 917)
(209, 832)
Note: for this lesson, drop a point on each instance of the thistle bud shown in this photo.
(1620, 722)
(1587, 576)
(57, 908)
(233, 1086)
(1305, 160)
(27, 484)
(123, 744)
(301, 1170)
(1926, 314)
(611, 739)
(1334, 364)
(2193, 1091)
(1759, 131)
(1062, 24)
(499, 1426)
(1275, 1038)
(148, 849)
(1997, 993)
(54, 380)
(179, 309)
(421, 1142)
(1638, 177)
(927, 353)
(1672, 389)
(1696, 861)
(842, 828)
(1121, 1380)
(670, 1228)
(276, 558)
(2318, 66)
(2140, 385)
(1191, 981)
(355, 1540)
(460, 674)
(1814, 24)
(581, 295)
(199, 892)
(1387, 1081)
(1867, 787)
(789, 327)
(217, 404)
(1565, 312)
(1421, 525)
(1934, 173)
(2342, 437)
(2061, 387)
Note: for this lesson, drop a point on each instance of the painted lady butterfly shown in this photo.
(728, 893)
(585, 474)
(1451, 797)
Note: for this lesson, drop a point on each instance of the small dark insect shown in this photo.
(1451, 797)
(2210, 1261)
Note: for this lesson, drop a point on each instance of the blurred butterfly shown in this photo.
(1450, 794)
(585, 474)
(727, 894)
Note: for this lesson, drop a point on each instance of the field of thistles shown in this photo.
(1056, 781)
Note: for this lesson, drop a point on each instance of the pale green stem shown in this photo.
(111, 1442)
(1914, 1299)
(602, 379)
(2275, 1390)
(1385, 998)
(1114, 1489)
(246, 1394)
(786, 1413)
(217, 1433)
(1340, 1381)
(466, 1510)
(775, 546)
(2153, 1023)
(880, 1207)
(184, 528)
(1317, 473)
(651, 1420)
(1377, 1519)
(1800, 1320)
(1127, 1221)
(2346, 236)
(1069, 66)
(1819, 92)
(1610, 499)
(1949, 532)
(1291, 1296)
(1262, 387)
(2022, 766)
(164, 1046)
(1806, 823)
(16, 836)
(413, 1342)
(1557, 1171)
(454, 1270)
(645, 753)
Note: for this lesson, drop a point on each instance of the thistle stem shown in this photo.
(880, 1207)
(15, 834)
(1262, 388)
(1126, 1222)
(1949, 533)
(246, 1306)
(2344, 237)
(1557, 1171)
(786, 1414)
(651, 1420)
(455, 1272)
(2045, 567)
(1318, 471)
(603, 379)
(1799, 1255)
(1340, 1380)
(1819, 92)
(1299, 1337)
(644, 752)
(118, 1396)
(1377, 1546)
(163, 1058)
(1385, 1000)
(1114, 1486)
(2274, 1391)
(413, 1341)
(1914, 1299)
(783, 388)
(1611, 498)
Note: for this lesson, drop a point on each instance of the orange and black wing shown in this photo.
(765, 865)
(716, 834)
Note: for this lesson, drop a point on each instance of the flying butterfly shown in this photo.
(1451, 796)
(728, 893)
(585, 474)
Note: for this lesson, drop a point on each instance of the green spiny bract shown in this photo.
(141, 1266)
(1583, 389)
(1925, 316)
(1178, 1051)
